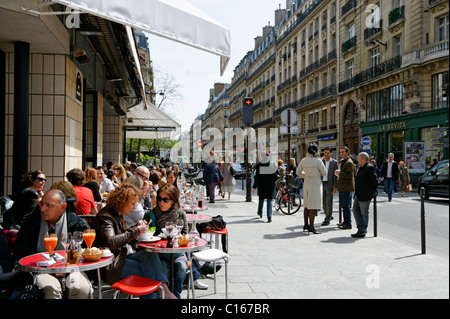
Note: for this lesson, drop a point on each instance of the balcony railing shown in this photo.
(347, 45)
(369, 32)
(348, 6)
(372, 73)
(396, 14)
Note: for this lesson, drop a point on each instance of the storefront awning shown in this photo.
(175, 20)
(149, 123)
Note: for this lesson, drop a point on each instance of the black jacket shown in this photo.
(28, 234)
(366, 183)
(265, 183)
(394, 170)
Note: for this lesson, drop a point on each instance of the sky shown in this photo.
(196, 71)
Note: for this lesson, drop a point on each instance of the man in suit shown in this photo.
(329, 184)
(389, 171)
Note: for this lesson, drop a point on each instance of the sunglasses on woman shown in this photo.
(41, 179)
(165, 199)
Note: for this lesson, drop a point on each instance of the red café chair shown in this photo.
(223, 231)
(137, 286)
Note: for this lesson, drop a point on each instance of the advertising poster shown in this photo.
(415, 157)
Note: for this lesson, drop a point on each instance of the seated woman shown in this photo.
(29, 198)
(110, 232)
(167, 209)
(85, 199)
(172, 178)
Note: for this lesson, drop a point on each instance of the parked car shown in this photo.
(435, 181)
(239, 170)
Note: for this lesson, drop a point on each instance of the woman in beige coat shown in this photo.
(311, 168)
(403, 177)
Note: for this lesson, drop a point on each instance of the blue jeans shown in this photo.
(389, 184)
(146, 265)
(269, 207)
(361, 214)
(179, 273)
(345, 199)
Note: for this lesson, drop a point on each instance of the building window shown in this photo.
(324, 118)
(333, 116)
(397, 46)
(374, 57)
(440, 91)
(350, 66)
(385, 104)
(442, 29)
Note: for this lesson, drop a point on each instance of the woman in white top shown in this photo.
(311, 168)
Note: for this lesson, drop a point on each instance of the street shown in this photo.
(400, 220)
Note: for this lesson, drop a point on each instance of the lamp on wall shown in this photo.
(373, 42)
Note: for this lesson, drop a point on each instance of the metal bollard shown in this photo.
(375, 217)
(422, 219)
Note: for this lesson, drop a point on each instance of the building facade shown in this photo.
(351, 69)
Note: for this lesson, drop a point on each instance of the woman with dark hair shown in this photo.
(29, 198)
(311, 168)
(113, 232)
(85, 199)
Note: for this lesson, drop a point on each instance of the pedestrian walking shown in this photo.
(345, 186)
(389, 172)
(329, 185)
(266, 174)
(212, 176)
(311, 168)
(228, 172)
(403, 177)
(366, 184)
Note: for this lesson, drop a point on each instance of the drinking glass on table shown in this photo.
(180, 225)
(78, 239)
(89, 237)
(66, 239)
(194, 203)
(50, 242)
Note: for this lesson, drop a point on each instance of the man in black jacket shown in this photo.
(52, 217)
(366, 183)
(389, 171)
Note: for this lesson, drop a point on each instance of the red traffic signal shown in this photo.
(248, 101)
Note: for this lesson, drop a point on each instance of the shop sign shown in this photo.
(392, 126)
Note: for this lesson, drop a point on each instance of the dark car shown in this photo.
(435, 181)
(239, 170)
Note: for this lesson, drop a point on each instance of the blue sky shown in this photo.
(197, 71)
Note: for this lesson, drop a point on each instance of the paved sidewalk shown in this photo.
(277, 260)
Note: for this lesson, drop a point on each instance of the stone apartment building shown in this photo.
(350, 69)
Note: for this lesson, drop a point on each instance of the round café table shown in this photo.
(29, 264)
(198, 218)
(188, 209)
(160, 248)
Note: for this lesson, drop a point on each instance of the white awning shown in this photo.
(149, 123)
(177, 20)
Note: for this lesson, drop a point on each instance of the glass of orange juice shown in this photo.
(50, 241)
(89, 237)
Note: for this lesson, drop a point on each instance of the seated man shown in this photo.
(53, 217)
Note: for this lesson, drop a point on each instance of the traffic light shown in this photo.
(247, 111)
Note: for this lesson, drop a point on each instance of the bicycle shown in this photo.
(287, 200)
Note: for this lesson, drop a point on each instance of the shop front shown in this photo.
(419, 137)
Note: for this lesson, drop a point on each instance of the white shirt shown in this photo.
(389, 170)
(327, 165)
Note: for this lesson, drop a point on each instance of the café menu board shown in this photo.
(415, 157)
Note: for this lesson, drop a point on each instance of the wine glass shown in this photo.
(50, 242)
(66, 239)
(180, 225)
(78, 239)
(89, 237)
(194, 204)
(182, 200)
(169, 228)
